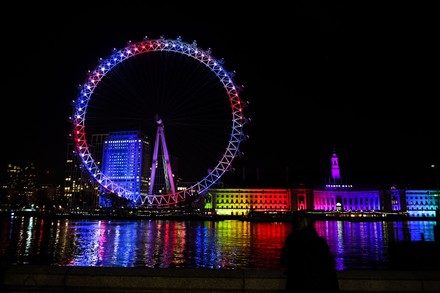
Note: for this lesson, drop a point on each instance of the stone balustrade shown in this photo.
(29, 278)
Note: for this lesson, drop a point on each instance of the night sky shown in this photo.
(318, 76)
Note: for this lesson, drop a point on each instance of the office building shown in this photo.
(126, 162)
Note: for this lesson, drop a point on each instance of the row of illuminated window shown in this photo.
(424, 208)
(325, 200)
(121, 159)
(420, 197)
(422, 202)
(422, 192)
(360, 200)
(116, 142)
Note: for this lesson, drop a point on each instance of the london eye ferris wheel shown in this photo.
(196, 99)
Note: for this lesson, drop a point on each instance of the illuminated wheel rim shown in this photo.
(147, 46)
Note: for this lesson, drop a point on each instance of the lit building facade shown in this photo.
(242, 202)
(17, 190)
(333, 196)
(72, 181)
(345, 197)
(338, 196)
(79, 187)
(421, 203)
(126, 161)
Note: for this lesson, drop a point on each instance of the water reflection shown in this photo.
(356, 242)
(192, 244)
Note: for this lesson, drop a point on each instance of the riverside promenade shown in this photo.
(31, 278)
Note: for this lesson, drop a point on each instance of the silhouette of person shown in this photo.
(306, 257)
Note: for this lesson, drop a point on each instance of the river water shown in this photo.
(225, 244)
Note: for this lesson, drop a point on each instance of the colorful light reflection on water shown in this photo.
(192, 244)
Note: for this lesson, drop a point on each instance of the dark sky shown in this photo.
(318, 75)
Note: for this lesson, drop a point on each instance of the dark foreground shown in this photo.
(115, 279)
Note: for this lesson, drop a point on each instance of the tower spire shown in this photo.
(336, 175)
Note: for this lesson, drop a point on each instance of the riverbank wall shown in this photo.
(256, 217)
(31, 278)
